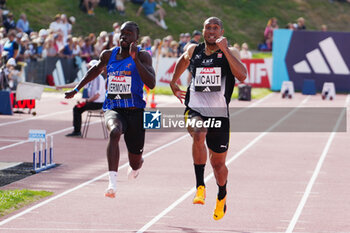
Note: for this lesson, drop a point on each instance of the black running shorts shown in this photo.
(217, 139)
(132, 127)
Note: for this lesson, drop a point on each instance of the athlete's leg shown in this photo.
(199, 155)
(217, 161)
(115, 126)
(135, 139)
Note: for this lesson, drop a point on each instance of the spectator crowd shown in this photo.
(19, 44)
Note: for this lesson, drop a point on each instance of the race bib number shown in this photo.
(119, 87)
(207, 79)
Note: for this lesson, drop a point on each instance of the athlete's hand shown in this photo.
(133, 50)
(222, 43)
(178, 92)
(70, 94)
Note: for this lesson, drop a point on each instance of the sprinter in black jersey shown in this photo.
(213, 66)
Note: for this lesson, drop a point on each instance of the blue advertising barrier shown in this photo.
(5, 103)
(319, 56)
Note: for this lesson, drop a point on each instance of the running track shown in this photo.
(278, 182)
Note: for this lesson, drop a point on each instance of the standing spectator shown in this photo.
(23, 24)
(268, 33)
(86, 50)
(11, 46)
(146, 44)
(245, 53)
(182, 43)
(324, 28)
(59, 41)
(67, 50)
(55, 26)
(109, 42)
(149, 8)
(196, 36)
(155, 48)
(9, 22)
(237, 46)
(3, 4)
(290, 26)
(98, 46)
(49, 47)
(300, 24)
(66, 27)
(173, 50)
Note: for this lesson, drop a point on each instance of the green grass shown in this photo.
(244, 20)
(11, 200)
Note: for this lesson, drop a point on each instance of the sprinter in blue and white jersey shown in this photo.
(128, 69)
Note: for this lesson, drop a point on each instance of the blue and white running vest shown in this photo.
(124, 84)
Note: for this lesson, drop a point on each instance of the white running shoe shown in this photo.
(132, 174)
(110, 192)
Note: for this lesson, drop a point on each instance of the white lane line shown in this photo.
(85, 183)
(34, 118)
(10, 140)
(211, 175)
(314, 176)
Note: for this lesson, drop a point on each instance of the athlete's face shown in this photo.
(128, 34)
(212, 31)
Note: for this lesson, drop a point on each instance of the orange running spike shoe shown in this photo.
(200, 195)
(220, 209)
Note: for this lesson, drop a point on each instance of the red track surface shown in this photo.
(274, 184)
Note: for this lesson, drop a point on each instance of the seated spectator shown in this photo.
(300, 25)
(149, 8)
(138, 1)
(2, 4)
(96, 95)
(90, 6)
(172, 3)
(9, 22)
(245, 53)
(23, 24)
(119, 4)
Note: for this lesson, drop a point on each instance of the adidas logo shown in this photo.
(318, 62)
(207, 89)
(117, 97)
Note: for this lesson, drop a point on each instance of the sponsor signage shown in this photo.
(321, 56)
(37, 135)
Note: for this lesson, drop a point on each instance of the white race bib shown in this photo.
(207, 79)
(119, 85)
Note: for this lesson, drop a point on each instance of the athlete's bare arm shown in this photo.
(92, 73)
(237, 68)
(143, 63)
(180, 67)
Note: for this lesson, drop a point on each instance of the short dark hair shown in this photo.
(135, 25)
(219, 21)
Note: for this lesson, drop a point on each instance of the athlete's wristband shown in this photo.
(76, 90)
